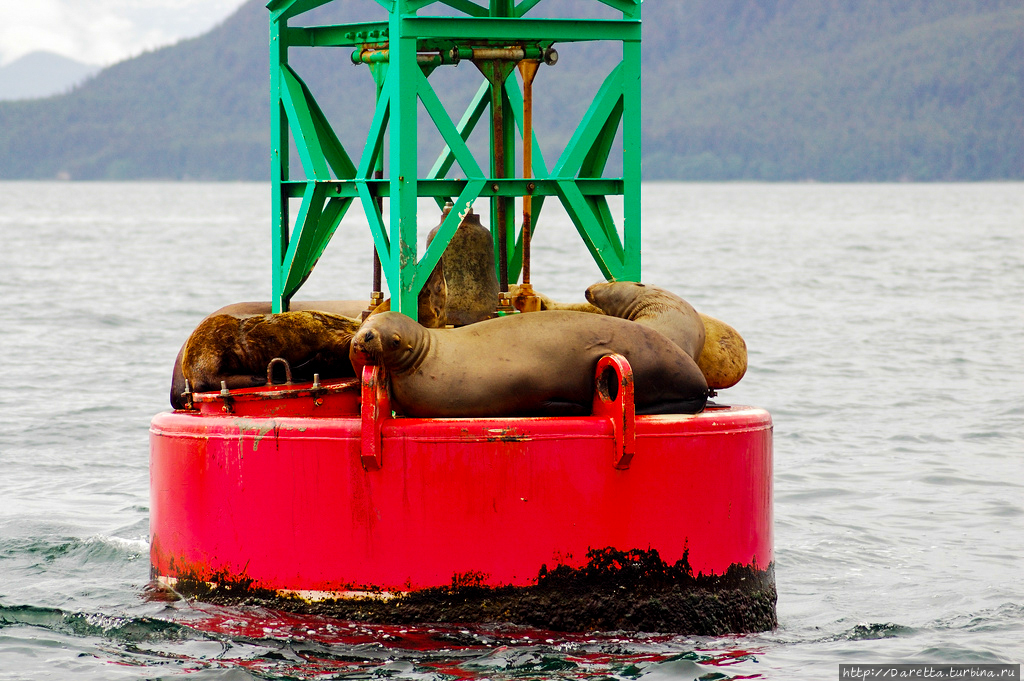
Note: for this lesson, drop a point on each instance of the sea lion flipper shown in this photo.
(563, 408)
(178, 382)
(232, 381)
(693, 405)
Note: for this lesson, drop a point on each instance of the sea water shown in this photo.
(885, 325)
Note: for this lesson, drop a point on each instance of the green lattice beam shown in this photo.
(577, 178)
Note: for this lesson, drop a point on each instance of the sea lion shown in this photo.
(345, 308)
(237, 349)
(469, 271)
(723, 360)
(653, 307)
(524, 365)
(430, 309)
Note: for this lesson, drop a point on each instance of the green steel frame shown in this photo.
(402, 52)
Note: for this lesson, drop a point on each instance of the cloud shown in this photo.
(103, 31)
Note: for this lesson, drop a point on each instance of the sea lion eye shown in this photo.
(396, 340)
(368, 335)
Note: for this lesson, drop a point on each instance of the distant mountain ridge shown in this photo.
(733, 89)
(42, 74)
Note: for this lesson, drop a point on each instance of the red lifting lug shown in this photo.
(374, 408)
(613, 399)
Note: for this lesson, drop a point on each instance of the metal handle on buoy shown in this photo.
(374, 409)
(613, 399)
(187, 395)
(287, 371)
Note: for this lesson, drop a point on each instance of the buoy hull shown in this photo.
(288, 505)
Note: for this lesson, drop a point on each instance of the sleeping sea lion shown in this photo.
(237, 349)
(430, 310)
(723, 360)
(345, 308)
(654, 307)
(535, 364)
(723, 354)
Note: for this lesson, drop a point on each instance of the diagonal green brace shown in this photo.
(281, 10)
(607, 252)
(306, 225)
(444, 235)
(375, 135)
(330, 218)
(378, 231)
(467, 7)
(456, 144)
(591, 128)
(474, 112)
(293, 96)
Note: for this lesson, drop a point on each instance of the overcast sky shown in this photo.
(103, 32)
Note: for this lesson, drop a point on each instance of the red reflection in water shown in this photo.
(309, 647)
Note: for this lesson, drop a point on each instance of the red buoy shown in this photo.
(317, 497)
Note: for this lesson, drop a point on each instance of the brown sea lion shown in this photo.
(524, 365)
(431, 313)
(653, 307)
(345, 308)
(723, 360)
(236, 349)
(468, 264)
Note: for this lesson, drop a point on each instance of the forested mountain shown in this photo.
(40, 74)
(733, 89)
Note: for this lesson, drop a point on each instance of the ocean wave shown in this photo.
(96, 548)
(129, 547)
(90, 624)
(871, 631)
(1001, 618)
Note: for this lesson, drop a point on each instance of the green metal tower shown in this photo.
(401, 52)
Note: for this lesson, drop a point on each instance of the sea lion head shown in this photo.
(616, 298)
(390, 340)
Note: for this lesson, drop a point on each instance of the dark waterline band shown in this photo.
(616, 590)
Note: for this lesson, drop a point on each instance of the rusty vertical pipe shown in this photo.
(528, 69)
(376, 295)
(527, 301)
(498, 125)
(377, 175)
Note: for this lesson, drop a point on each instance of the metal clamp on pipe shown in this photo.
(375, 55)
(548, 55)
(369, 55)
